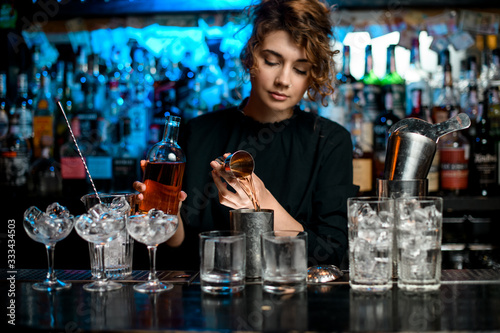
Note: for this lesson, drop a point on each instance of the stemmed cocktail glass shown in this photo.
(49, 228)
(99, 226)
(152, 229)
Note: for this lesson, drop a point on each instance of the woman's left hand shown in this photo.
(238, 199)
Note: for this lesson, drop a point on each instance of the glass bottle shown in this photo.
(484, 172)
(470, 97)
(454, 152)
(164, 171)
(15, 155)
(381, 127)
(493, 110)
(446, 101)
(43, 120)
(347, 84)
(125, 161)
(100, 160)
(72, 169)
(362, 159)
(416, 78)
(23, 108)
(372, 90)
(394, 83)
(436, 81)
(45, 173)
(454, 148)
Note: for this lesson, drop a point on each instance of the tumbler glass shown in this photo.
(418, 234)
(284, 261)
(222, 258)
(370, 222)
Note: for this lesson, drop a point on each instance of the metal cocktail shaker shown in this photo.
(253, 223)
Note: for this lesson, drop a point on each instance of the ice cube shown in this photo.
(43, 227)
(384, 239)
(368, 235)
(368, 214)
(32, 214)
(155, 213)
(56, 210)
(120, 205)
(363, 256)
(420, 216)
(97, 210)
(386, 219)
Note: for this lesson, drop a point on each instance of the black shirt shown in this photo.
(305, 162)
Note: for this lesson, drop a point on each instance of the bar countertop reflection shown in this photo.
(468, 300)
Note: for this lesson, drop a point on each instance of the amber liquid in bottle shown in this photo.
(163, 182)
(164, 171)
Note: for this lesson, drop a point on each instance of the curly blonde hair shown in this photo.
(309, 24)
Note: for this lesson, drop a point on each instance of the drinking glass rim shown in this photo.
(144, 214)
(272, 233)
(427, 198)
(226, 234)
(107, 195)
(370, 199)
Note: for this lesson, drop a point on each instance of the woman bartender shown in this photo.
(303, 162)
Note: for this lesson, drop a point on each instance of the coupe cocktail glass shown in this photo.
(49, 228)
(152, 229)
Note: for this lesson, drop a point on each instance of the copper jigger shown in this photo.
(239, 164)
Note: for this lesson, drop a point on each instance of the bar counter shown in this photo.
(468, 300)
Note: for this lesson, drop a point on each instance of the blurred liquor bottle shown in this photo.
(125, 159)
(469, 97)
(43, 120)
(22, 107)
(372, 89)
(15, 155)
(83, 97)
(348, 86)
(436, 82)
(100, 160)
(393, 82)
(45, 173)
(381, 127)
(64, 97)
(484, 166)
(454, 148)
(362, 156)
(416, 78)
(492, 93)
(492, 104)
(72, 169)
(446, 101)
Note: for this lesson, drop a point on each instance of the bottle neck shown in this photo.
(346, 61)
(417, 103)
(391, 61)
(171, 133)
(448, 79)
(415, 54)
(22, 85)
